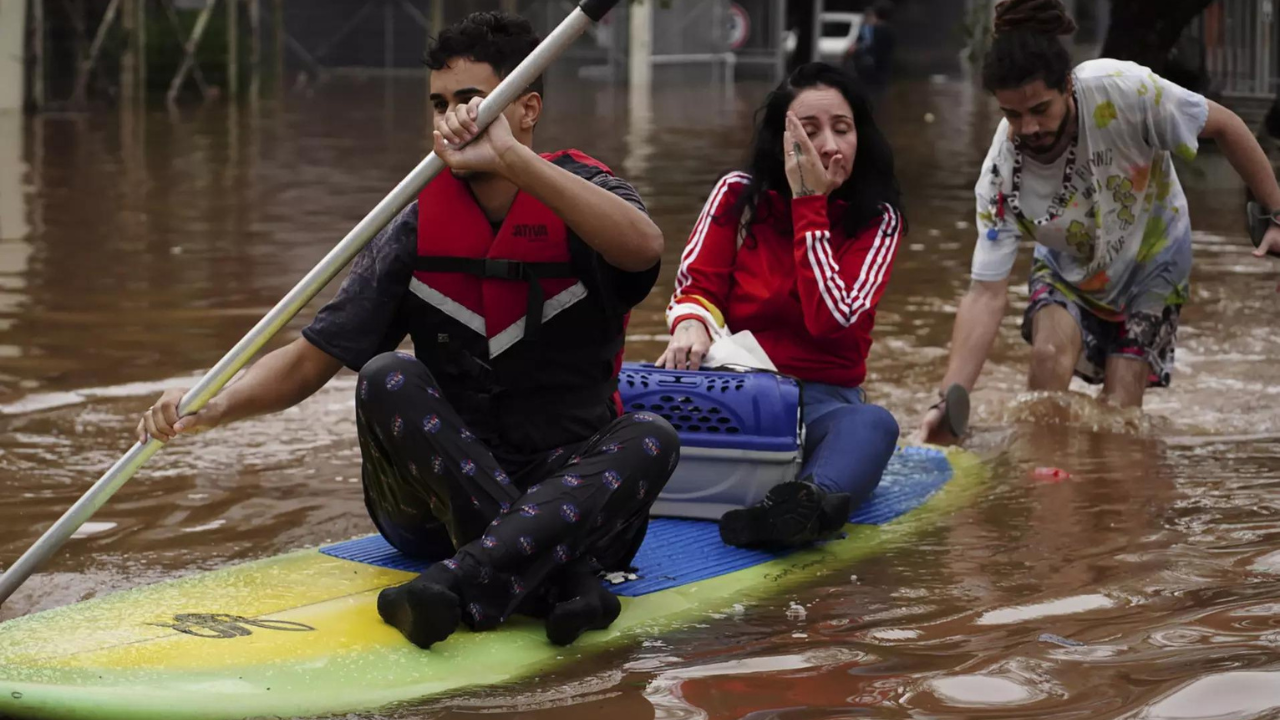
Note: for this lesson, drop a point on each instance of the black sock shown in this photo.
(425, 610)
(588, 607)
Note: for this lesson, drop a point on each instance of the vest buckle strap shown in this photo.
(504, 269)
(495, 268)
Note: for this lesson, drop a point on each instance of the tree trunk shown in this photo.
(1145, 31)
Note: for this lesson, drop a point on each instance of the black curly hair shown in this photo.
(1026, 47)
(872, 182)
(500, 40)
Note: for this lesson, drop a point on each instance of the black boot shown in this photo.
(835, 513)
(793, 514)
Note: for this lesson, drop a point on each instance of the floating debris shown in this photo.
(1059, 640)
(1050, 474)
(90, 529)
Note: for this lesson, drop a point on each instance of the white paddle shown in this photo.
(587, 12)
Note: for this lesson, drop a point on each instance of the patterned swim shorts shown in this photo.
(1139, 334)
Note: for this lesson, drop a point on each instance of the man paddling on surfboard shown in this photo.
(1082, 165)
(499, 448)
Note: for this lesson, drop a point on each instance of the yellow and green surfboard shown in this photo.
(298, 634)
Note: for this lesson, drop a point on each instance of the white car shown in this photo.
(839, 33)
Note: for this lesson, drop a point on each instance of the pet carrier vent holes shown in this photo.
(682, 420)
(633, 379)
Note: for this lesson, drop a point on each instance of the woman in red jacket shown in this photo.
(797, 249)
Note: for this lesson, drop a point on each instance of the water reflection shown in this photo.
(982, 691)
(1234, 695)
(14, 179)
(759, 686)
(1139, 583)
(15, 226)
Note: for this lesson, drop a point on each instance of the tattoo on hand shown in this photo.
(804, 190)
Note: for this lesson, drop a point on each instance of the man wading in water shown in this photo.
(500, 449)
(1082, 165)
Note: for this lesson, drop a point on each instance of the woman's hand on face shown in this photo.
(804, 165)
(688, 346)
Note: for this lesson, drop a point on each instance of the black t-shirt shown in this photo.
(362, 321)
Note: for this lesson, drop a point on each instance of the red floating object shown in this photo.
(1050, 474)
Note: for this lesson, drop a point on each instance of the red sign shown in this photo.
(739, 26)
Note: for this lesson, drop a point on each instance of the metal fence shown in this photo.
(727, 36)
(389, 34)
(1241, 52)
(80, 47)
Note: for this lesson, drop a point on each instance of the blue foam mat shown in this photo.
(678, 552)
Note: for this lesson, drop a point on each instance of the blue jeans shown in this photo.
(848, 443)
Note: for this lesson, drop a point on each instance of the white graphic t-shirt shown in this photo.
(1122, 240)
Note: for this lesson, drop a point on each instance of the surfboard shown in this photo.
(298, 634)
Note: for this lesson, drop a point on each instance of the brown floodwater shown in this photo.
(140, 246)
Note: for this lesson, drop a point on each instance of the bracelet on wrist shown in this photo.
(942, 400)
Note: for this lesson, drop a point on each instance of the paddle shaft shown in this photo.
(511, 87)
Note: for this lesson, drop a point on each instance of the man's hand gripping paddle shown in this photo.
(587, 12)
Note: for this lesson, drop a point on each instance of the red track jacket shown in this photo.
(804, 289)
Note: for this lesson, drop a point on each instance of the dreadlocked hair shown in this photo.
(1026, 47)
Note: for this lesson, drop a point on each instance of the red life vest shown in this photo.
(501, 285)
(477, 292)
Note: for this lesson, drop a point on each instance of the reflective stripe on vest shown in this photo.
(491, 282)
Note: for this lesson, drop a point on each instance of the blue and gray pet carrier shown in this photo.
(740, 434)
